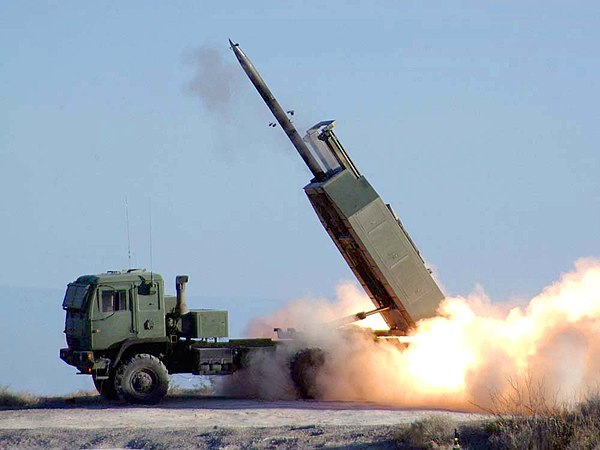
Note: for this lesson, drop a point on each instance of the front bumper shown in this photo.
(83, 360)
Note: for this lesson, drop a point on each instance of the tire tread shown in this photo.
(142, 359)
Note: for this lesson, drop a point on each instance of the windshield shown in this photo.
(75, 296)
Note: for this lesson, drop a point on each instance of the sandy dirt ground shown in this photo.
(200, 422)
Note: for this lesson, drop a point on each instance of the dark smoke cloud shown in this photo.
(216, 79)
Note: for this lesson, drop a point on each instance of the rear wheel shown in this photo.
(304, 367)
(142, 379)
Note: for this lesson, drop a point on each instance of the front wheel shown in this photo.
(142, 379)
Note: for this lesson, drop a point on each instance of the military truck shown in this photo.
(123, 330)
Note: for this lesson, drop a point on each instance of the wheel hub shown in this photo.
(142, 382)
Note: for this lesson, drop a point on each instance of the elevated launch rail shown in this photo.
(366, 231)
(370, 236)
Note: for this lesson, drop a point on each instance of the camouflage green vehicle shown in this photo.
(129, 336)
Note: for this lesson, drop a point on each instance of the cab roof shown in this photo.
(130, 275)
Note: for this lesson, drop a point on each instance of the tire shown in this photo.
(106, 388)
(142, 379)
(304, 367)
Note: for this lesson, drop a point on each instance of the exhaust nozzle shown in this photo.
(181, 306)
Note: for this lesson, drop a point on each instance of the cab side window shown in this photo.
(114, 301)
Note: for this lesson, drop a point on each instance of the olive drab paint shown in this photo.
(123, 330)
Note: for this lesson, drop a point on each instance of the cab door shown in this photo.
(150, 319)
(112, 316)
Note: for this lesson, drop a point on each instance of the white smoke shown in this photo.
(473, 348)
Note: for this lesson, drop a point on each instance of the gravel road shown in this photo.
(199, 422)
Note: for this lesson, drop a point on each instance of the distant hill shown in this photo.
(31, 334)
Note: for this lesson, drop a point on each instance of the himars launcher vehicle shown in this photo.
(123, 329)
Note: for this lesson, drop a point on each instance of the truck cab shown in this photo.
(129, 336)
(103, 310)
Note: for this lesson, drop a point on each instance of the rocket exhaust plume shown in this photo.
(472, 349)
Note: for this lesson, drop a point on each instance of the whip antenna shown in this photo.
(150, 221)
(128, 238)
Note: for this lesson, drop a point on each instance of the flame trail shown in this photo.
(472, 348)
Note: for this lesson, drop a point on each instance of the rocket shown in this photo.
(278, 112)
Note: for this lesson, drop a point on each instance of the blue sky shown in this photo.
(477, 122)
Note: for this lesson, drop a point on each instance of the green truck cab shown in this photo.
(129, 336)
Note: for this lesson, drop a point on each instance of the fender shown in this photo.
(128, 343)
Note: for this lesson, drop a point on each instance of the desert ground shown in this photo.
(213, 422)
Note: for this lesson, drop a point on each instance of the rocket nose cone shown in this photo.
(231, 43)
